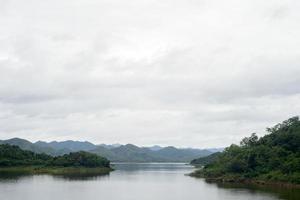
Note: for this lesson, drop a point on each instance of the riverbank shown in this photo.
(233, 178)
(56, 170)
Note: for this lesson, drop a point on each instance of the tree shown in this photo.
(249, 141)
(275, 156)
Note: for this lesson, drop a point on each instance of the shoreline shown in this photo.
(38, 170)
(246, 181)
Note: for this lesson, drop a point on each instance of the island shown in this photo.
(15, 160)
(272, 159)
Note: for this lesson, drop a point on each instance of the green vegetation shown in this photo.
(272, 158)
(205, 160)
(14, 159)
(77, 159)
(14, 156)
(55, 170)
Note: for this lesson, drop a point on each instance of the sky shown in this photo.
(188, 73)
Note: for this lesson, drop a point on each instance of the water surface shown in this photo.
(153, 181)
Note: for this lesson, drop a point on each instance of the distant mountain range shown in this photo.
(115, 152)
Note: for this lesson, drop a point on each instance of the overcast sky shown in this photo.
(188, 73)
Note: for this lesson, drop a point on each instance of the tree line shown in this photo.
(11, 156)
(273, 157)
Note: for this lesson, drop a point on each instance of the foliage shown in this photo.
(274, 157)
(14, 156)
(80, 158)
(55, 170)
(205, 160)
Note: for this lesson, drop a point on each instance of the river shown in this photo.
(152, 181)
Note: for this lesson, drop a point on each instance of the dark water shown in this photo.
(133, 182)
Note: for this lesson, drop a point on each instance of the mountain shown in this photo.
(126, 153)
(68, 145)
(110, 146)
(215, 150)
(26, 145)
(155, 148)
(180, 155)
(114, 152)
(132, 153)
(108, 153)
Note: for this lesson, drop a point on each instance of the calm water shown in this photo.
(133, 182)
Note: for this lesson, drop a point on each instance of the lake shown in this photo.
(134, 182)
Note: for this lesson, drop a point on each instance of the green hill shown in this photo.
(14, 159)
(26, 145)
(15, 156)
(116, 153)
(205, 160)
(273, 158)
(132, 153)
(68, 145)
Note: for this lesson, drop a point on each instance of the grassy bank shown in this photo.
(235, 178)
(273, 159)
(16, 161)
(55, 170)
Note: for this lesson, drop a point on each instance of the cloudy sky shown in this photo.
(197, 73)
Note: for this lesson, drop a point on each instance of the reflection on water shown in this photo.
(80, 177)
(14, 177)
(164, 167)
(282, 193)
(133, 182)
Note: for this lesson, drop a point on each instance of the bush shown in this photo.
(14, 156)
(275, 156)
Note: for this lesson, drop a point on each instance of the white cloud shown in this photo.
(185, 73)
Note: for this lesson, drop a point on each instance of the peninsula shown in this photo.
(271, 159)
(15, 160)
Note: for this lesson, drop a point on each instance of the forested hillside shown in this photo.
(11, 156)
(273, 157)
(205, 160)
